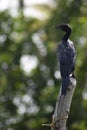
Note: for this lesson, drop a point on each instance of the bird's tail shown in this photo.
(65, 84)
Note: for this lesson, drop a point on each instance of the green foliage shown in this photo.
(80, 126)
(27, 99)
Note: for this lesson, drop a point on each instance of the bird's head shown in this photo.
(63, 27)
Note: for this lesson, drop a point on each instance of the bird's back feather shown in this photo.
(66, 58)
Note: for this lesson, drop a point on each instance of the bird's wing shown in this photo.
(66, 56)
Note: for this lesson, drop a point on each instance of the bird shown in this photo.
(66, 57)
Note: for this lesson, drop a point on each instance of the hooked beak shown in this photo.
(57, 26)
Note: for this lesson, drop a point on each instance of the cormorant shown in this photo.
(66, 56)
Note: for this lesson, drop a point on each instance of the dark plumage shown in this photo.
(66, 57)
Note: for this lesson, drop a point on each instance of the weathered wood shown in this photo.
(62, 107)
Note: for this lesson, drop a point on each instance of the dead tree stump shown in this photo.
(62, 107)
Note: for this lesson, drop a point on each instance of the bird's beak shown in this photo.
(57, 26)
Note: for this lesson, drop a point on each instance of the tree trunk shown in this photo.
(62, 108)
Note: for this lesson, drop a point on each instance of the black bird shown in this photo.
(66, 56)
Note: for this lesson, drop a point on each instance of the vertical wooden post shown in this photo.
(62, 107)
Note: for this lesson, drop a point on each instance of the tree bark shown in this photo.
(62, 107)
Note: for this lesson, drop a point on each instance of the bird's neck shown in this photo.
(66, 36)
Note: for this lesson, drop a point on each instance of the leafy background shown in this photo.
(29, 73)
